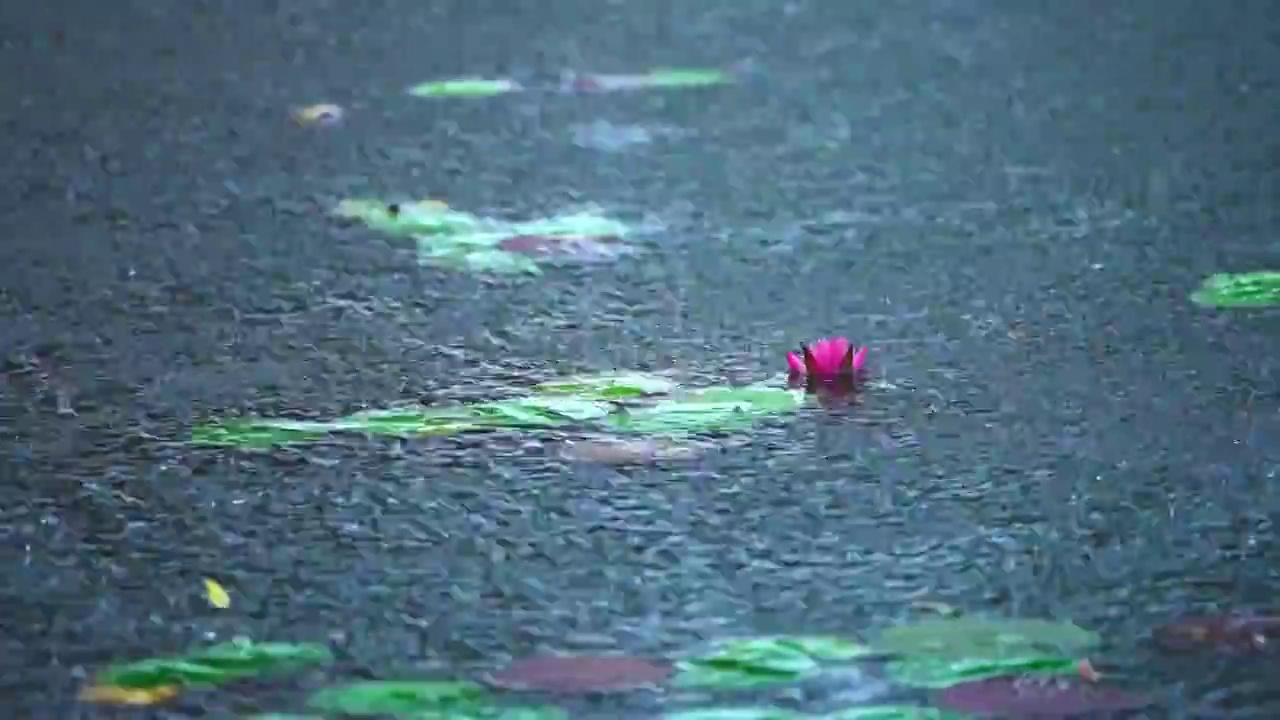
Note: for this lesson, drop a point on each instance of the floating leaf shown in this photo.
(425, 217)
(284, 716)
(586, 401)
(707, 410)
(737, 713)
(941, 672)
(581, 674)
(395, 422)
(462, 241)
(970, 638)
(1232, 633)
(1038, 697)
(465, 87)
(535, 412)
(758, 399)
(1251, 289)
(826, 648)
(609, 387)
(116, 695)
(424, 700)
(216, 594)
(216, 664)
(751, 662)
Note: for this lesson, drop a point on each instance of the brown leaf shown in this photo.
(1231, 632)
(114, 695)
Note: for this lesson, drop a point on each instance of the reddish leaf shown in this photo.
(581, 674)
(1232, 633)
(1038, 697)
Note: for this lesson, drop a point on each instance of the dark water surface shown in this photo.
(1008, 200)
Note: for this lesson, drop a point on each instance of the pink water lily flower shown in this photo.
(827, 359)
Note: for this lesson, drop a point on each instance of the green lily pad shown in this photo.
(689, 77)
(609, 387)
(535, 412)
(461, 241)
(736, 713)
(1252, 289)
(759, 399)
(284, 716)
(587, 400)
(465, 87)
(935, 673)
(216, 664)
(394, 422)
(968, 638)
(424, 700)
(713, 409)
(751, 662)
(426, 217)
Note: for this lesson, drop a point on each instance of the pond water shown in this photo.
(982, 193)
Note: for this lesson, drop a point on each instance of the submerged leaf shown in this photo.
(976, 638)
(216, 664)
(620, 451)
(399, 697)
(1038, 697)
(1231, 633)
(941, 672)
(581, 674)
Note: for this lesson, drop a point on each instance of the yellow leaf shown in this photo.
(322, 114)
(934, 606)
(114, 695)
(218, 596)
